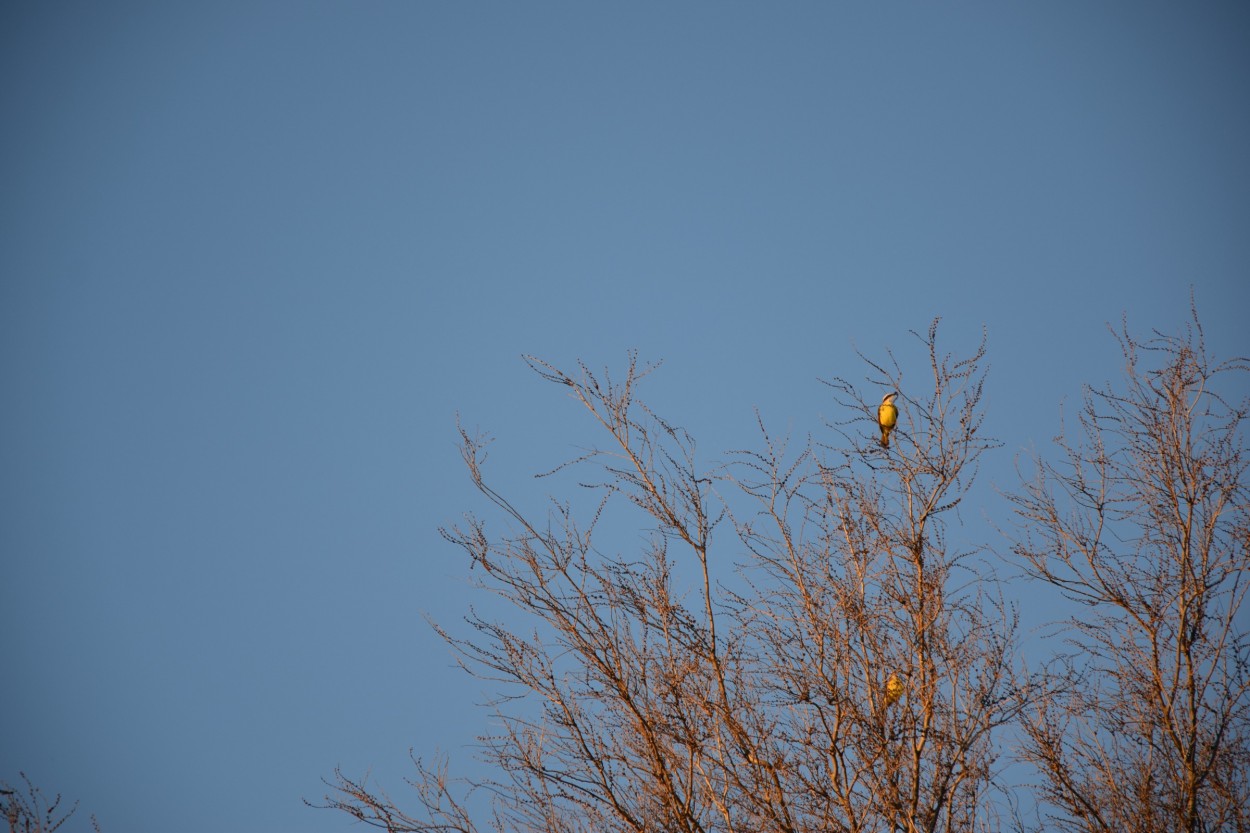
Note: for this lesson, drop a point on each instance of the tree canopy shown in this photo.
(801, 644)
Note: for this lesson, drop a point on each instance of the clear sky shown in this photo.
(256, 255)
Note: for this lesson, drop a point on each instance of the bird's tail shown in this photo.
(885, 437)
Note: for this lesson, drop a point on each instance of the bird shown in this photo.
(887, 417)
(893, 689)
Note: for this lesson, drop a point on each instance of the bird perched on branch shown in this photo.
(893, 689)
(887, 417)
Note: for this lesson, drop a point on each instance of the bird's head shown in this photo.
(888, 399)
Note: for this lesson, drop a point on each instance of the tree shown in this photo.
(1144, 523)
(846, 678)
(28, 811)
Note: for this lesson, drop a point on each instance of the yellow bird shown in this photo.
(887, 417)
(893, 689)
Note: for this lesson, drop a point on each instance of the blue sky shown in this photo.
(255, 256)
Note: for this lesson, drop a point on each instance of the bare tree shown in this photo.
(892, 638)
(1144, 524)
(29, 811)
(847, 678)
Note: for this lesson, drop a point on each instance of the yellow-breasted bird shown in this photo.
(893, 689)
(887, 417)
